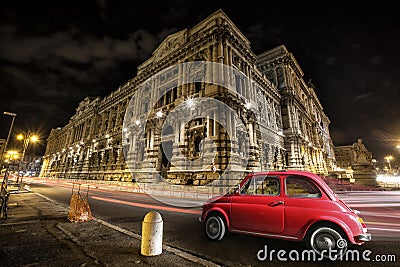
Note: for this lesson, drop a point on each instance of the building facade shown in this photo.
(271, 107)
(308, 144)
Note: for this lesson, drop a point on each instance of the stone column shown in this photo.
(229, 124)
(209, 127)
(216, 127)
(110, 118)
(84, 129)
(215, 59)
(220, 52)
(180, 80)
(182, 134)
(184, 81)
(231, 76)
(251, 134)
(177, 159)
(209, 66)
(151, 139)
(119, 116)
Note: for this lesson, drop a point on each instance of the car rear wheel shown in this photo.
(327, 242)
(215, 227)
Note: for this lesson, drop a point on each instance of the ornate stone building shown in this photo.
(270, 106)
(308, 144)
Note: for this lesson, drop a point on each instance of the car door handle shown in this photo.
(276, 203)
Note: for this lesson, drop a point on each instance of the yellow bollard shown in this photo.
(152, 232)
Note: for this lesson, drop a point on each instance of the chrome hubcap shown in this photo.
(213, 227)
(325, 242)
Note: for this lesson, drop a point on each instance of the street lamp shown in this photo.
(9, 133)
(26, 138)
(388, 159)
(11, 155)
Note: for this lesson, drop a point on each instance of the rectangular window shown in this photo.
(261, 185)
(300, 187)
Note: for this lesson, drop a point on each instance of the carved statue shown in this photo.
(361, 154)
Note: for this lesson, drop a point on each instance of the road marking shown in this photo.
(148, 206)
(52, 201)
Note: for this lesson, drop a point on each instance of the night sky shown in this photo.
(54, 54)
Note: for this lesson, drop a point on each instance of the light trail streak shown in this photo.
(148, 206)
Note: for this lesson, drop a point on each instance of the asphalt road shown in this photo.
(380, 210)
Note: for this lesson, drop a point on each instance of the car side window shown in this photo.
(302, 188)
(261, 185)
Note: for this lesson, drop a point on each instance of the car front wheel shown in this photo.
(327, 242)
(215, 227)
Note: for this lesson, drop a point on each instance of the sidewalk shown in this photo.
(37, 233)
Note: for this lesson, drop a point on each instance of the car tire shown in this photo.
(215, 227)
(327, 241)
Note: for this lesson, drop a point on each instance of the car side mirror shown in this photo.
(237, 190)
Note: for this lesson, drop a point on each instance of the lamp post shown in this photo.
(13, 115)
(26, 137)
(388, 159)
(11, 155)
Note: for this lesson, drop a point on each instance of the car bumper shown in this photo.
(364, 237)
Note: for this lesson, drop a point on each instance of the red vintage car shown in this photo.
(290, 205)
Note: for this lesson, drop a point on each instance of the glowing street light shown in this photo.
(11, 155)
(159, 114)
(27, 138)
(388, 159)
(190, 103)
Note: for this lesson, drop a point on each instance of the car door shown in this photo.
(259, 206)
(303, 201)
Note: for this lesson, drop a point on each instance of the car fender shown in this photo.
(222, 212)
(346, 229)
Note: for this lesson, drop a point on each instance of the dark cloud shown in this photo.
(52, 55)
(368, 96)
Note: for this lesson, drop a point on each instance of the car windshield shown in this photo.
(261, 185)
